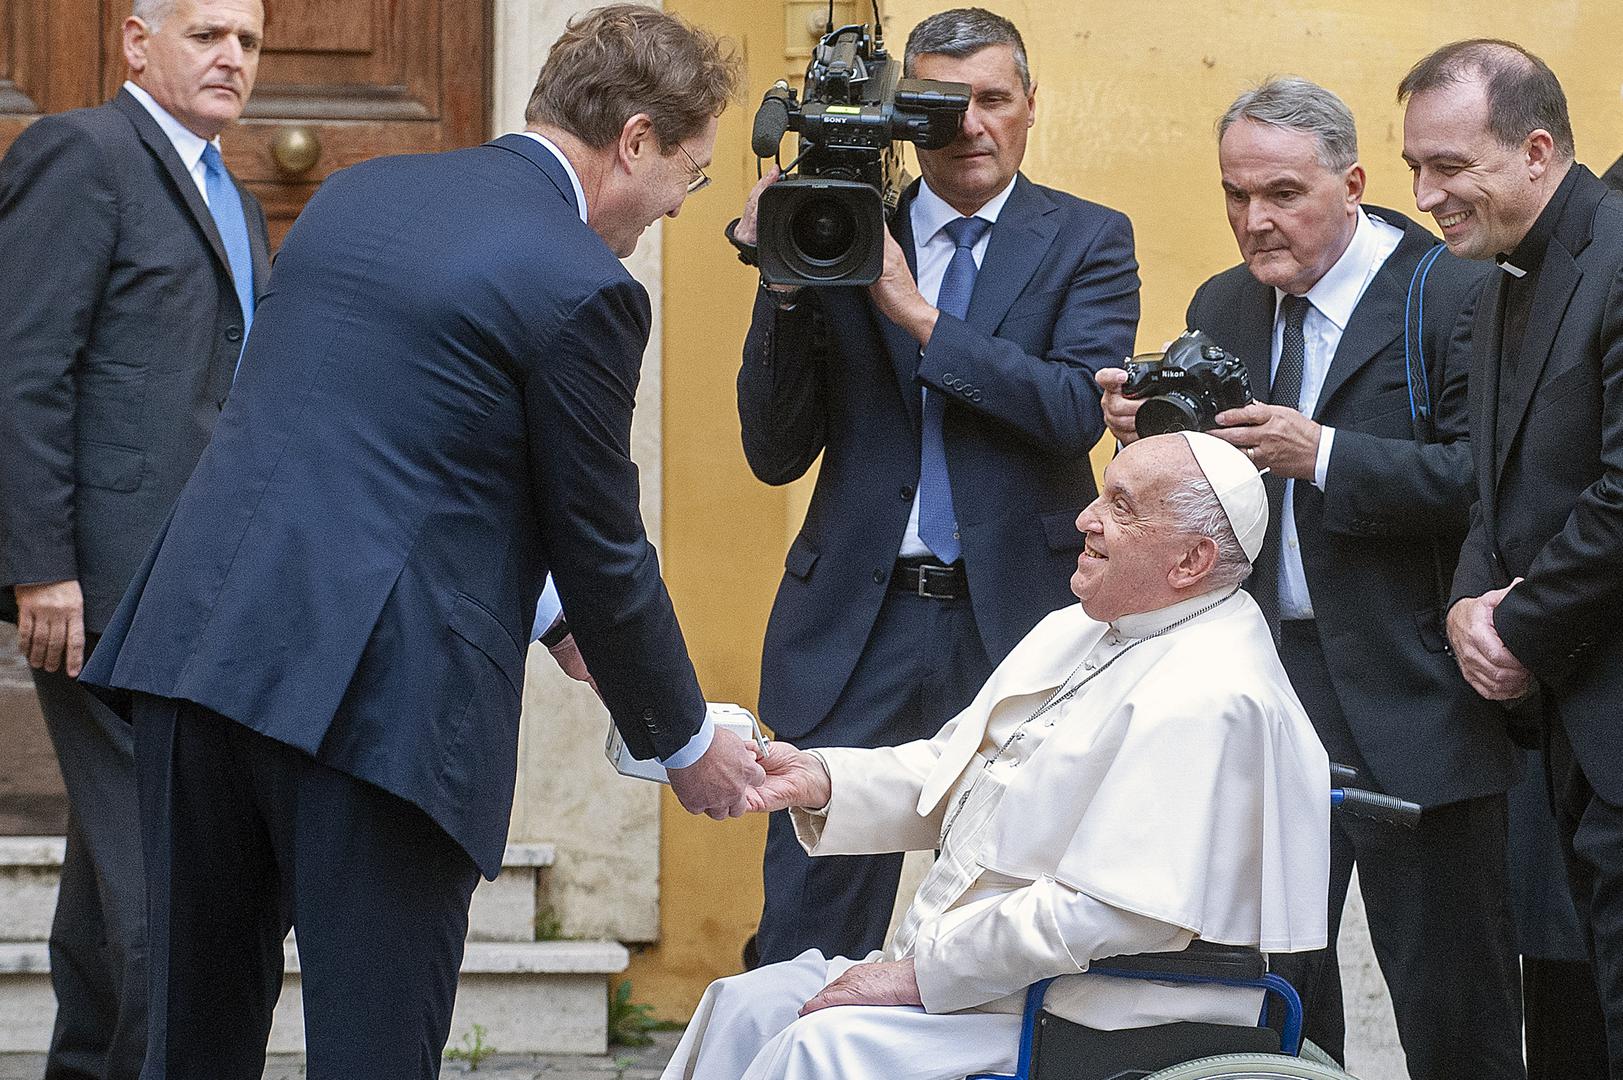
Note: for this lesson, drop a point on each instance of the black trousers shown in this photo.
(923, 662)
(1592, 840)
(98, 943)
(1439, 919)
(245, 837)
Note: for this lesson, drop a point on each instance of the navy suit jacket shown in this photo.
(1550, 507)
(119, 331)
(1380, 541)
(1055, 300)
(433, 412)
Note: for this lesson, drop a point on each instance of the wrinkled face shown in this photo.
(200, 62)
(1482, 194)
(1291, 216)
(653, 183)
(1130, 547)
(990, 145)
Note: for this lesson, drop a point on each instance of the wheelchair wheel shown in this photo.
(1251, 1067)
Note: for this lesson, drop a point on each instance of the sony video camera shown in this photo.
(826, 226)
(1184, 388)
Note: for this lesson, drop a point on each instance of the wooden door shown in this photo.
(340, 81)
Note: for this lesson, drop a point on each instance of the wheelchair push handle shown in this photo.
(1377, 807)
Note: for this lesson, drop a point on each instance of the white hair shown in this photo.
(1196, 510)
(153, 12)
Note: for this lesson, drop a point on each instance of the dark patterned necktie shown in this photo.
(1287, 388)
(938, 522)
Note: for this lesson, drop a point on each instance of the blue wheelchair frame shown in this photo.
(1290, 1039)
(1347, 799)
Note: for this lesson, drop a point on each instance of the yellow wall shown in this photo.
(1128, 92)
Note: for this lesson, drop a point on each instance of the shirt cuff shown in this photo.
(1321, 464)
(547, 610)
(695, 748)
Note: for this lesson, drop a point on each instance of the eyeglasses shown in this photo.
(699, 180)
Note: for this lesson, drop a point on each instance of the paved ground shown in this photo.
(626, 1063)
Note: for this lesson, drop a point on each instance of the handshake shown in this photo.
(741, 772)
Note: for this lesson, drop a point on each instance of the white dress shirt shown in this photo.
(187, 143)
(1332, 300)
(549, 607)
(933, 249)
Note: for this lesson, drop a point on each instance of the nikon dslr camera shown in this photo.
(826, 226)
(1184, 388)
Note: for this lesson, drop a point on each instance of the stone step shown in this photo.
(530, 996)
(536, 997)
(502, 910)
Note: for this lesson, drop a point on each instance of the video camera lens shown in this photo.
(823, 230)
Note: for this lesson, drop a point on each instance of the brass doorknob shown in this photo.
(295, 149)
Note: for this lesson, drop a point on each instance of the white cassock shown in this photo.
(1181, 792)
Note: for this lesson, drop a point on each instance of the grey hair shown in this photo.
(963, 32)
(1289, 101)
(1195, 509)
(153, 12)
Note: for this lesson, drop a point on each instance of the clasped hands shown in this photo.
(1275, 437)
(1487, 664)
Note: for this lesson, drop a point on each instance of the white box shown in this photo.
(734, 718)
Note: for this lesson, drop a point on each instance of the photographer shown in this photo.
(954, 404)
(1361, 423)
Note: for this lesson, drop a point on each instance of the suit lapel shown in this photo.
(1252, 338)
(1484, 388)
(904, 351)
(1557, 281)
(1377, 318)
(1020, 239)
(185, 188)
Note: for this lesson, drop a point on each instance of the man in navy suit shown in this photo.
(953, 404)
(324, 650)
(131, 261)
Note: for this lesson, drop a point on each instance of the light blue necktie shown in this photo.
(226, 206)
(938, 523)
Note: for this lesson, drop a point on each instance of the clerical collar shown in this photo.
(1529, 254)
(1143, 624)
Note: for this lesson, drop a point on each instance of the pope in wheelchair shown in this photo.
(1135, 777)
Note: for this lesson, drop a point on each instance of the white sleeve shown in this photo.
(997, 946)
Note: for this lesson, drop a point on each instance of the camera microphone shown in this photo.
(771, 121)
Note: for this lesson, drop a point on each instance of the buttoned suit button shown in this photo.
(906, 493)
(233, 333)
(878, 577)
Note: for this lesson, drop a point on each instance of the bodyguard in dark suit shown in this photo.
(324, 651)
(131, 261)
(1534, 615)
(953, 404)
(1356, 336)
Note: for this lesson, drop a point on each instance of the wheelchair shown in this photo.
(1053, 1048)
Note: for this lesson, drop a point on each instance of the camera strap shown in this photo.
(1422, 419)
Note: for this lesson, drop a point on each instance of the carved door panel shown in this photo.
(340, 81)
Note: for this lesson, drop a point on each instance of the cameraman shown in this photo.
(1371, 500)
(954, 404)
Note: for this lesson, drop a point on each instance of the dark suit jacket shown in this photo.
(1379, 542)
(119, 333)
(433, 412)
(1550, 506)
(1055, 300)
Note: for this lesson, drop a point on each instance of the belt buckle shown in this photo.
(924, 576)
